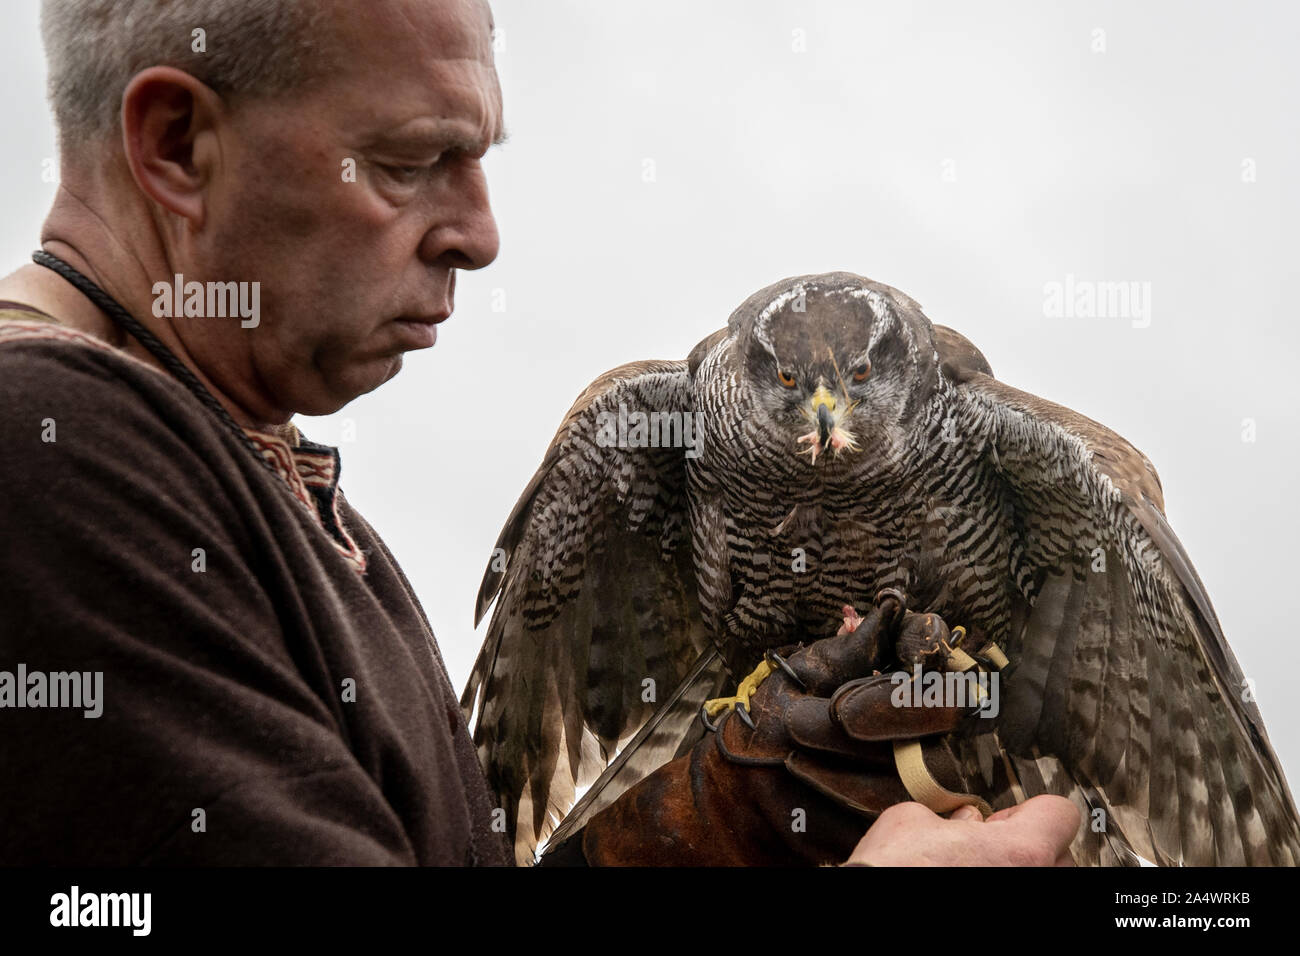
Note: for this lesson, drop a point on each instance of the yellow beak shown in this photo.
(823, 397)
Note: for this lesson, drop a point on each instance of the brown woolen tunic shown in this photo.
(223, 689)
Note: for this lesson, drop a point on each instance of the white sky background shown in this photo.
(1125, 165)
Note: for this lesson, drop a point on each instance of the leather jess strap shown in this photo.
(909, 757)
(922, 785)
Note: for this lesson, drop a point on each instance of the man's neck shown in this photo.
(80, 236)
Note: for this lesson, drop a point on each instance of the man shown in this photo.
(256, 682)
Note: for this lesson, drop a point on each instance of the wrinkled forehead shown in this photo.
(844, 320)
(416, 71)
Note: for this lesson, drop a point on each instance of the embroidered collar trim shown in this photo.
(309, 470)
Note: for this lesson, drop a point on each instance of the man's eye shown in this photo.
(406, 174)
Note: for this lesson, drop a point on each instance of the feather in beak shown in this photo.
(826, 414)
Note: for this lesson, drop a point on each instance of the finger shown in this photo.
(921, 639)
(859, 855)
(826, 664)
(1055, 818)
(967, 812)
(1004, 813)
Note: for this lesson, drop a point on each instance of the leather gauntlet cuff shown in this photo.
(815, 765)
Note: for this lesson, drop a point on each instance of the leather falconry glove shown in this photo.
(823, 749)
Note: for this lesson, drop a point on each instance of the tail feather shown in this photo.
(663, 737)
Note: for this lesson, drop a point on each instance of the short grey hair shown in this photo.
(95, 47)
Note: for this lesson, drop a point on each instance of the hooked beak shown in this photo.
(823, 404)
(830, 433)
(825, 425)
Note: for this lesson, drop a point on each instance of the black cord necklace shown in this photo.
(169, 361)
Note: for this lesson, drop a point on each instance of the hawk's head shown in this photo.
(837, 364)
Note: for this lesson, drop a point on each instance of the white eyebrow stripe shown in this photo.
(886, 321)
(779, 303)
(885, 317)
(770, 310)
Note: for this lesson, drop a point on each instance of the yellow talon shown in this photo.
(748, 687)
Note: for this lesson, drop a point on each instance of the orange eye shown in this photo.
(787, 379)
(861, 372)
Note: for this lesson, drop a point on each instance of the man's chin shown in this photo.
(350, 388)
(394, 366)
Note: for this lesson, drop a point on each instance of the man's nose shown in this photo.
(464, 235)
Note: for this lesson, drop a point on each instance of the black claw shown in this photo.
(900, 607)
(743, 710)
(774, 658)
(704, 719)
(895, 593)
(987, 663)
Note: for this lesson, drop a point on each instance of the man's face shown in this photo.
(352, 202)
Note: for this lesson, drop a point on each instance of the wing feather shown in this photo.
(1125, 680)
(595, 598)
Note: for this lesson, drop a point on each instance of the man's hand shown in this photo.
(1035, 833)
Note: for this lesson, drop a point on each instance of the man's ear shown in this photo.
(168, 132)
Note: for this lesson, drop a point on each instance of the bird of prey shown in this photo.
(830, 442)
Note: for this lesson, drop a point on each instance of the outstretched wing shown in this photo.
(597, 618)
(1127, 697)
